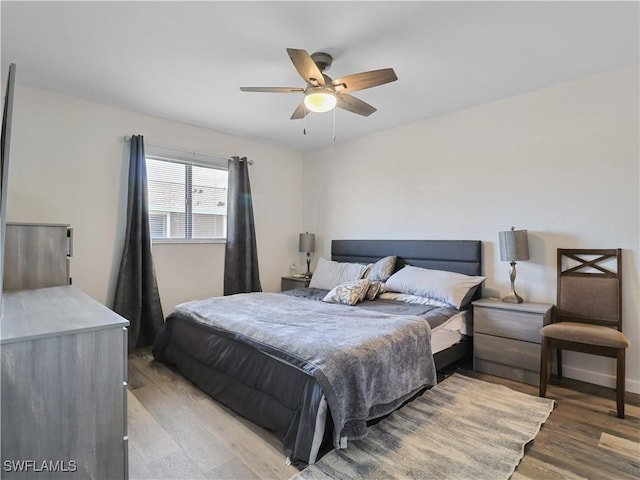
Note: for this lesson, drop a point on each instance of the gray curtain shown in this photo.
(137, 298)
(241, 273)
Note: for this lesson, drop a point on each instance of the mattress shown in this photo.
(451, 332)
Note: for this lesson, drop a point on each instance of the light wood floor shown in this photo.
(178, 432)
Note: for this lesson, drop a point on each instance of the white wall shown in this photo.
(69, 165)
(562, 162)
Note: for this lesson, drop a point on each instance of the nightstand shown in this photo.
(289, 283)
(506, 338)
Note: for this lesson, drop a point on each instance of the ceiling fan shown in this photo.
(322, 93)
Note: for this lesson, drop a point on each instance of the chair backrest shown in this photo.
(589, 292)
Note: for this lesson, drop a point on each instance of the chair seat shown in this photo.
(586, 333)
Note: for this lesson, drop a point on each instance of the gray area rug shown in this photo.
(462, 428)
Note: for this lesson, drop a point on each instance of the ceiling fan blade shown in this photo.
(360, 81)
(273, 89)
(353, 104)
(305, 66)
(300, 111)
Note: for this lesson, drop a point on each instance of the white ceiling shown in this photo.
(186, 60)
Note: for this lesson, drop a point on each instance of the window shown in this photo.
(187, 201)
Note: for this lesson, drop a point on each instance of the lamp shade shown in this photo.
(307, 242)
(514, 245)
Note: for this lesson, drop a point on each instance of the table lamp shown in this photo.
(514, 245)
(307, 244)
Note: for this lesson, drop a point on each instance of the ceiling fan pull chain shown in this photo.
(334, 125)
(304, 128)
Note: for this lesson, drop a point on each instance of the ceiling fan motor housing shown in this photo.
(322, 60)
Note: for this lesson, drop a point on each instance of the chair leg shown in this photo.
(559, 361)
(544, 365)
(620, 382)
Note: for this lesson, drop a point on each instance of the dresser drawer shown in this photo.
(509, 324)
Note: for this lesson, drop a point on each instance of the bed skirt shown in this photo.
(263, 389)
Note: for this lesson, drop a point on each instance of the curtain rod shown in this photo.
(127, 138)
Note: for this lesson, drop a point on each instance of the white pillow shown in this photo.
(455, 289)
(329, 274)
(406, 298)
(348, 293)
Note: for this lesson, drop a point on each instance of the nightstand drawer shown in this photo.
(290, 283)
(508, 324)
(506, 351)
(506, 371)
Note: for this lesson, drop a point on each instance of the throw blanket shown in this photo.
(368, 363)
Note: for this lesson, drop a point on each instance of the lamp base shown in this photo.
(308, 272)
(513, 297)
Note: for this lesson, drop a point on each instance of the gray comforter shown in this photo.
(368, 363)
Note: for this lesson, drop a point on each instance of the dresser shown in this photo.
(63, 380)
(63, 366)
(506, 338)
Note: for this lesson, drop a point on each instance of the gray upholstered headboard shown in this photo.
(460, 256)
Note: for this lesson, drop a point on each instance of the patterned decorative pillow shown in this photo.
(348, 293)
(375, 289)
(382, 269)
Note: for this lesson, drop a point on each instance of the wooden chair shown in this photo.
(589, 313)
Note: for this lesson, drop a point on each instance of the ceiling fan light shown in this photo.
(320, 101)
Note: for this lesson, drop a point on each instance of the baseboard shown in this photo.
(598, 378)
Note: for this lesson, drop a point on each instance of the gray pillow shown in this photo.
(330, 274)
(382, 269)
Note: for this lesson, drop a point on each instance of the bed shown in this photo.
(317, 373)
